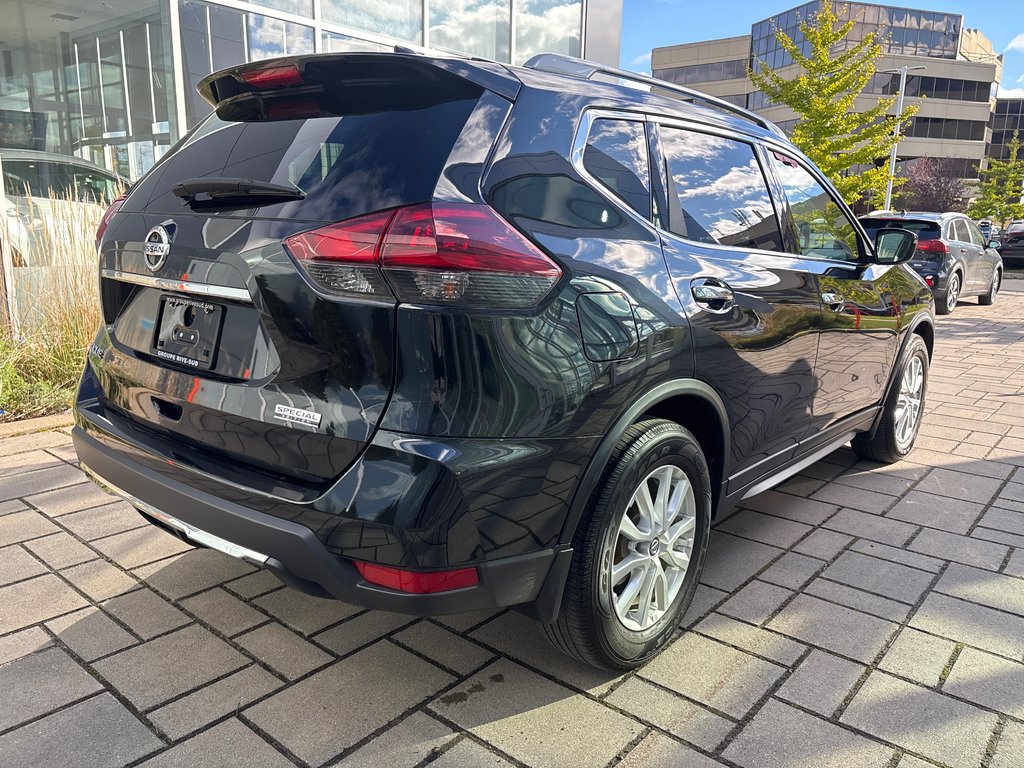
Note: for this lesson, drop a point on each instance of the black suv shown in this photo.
(953, 256)
(431, 335)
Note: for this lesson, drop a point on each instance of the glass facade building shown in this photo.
(114, 83)
(1007, 120)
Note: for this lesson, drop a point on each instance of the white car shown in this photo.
(35, 183)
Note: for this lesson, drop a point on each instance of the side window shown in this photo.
(960, 233)
(976, 237)
(721, 190)
(823, 229)
(616, 155)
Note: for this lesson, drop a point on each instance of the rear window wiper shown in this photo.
(226, 193)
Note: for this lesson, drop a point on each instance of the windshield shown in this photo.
(52, 178)
(925, 230)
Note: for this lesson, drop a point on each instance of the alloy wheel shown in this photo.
(653, 546)
(908, 406)
(953, 292)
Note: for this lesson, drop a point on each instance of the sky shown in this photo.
(648, 24)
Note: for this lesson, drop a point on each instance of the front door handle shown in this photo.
(833, 301)
(712, 294)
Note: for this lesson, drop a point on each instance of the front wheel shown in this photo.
(988, 299)
(903, 409)
(947, 302)
(638, 551)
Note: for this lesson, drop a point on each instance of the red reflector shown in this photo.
(417, 582)
(932, 246)
(930, 279)
(272, 76)
(107, 216)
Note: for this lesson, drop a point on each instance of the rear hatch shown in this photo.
(230, 336)
(931, 248)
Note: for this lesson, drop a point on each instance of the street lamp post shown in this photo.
(896, 131)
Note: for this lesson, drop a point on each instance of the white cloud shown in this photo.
(1017, 44)
(1020, 79)
(641, 63)
(1011, 93)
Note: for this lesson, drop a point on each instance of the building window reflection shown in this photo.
(400, 19)
(547, 26)
(477, 27)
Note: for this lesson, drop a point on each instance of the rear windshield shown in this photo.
(925, 230)
(50, 178)
(346, 165)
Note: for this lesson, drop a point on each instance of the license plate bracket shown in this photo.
(188, 331)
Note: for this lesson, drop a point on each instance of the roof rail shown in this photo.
(561, 64)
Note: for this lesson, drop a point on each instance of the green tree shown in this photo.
(1001, 187)
(831, 131)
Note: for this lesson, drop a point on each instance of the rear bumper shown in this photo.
(296, 555)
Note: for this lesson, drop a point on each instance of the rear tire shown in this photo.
(616, 565)
(894, 438)
(988, 299)
(947, 303)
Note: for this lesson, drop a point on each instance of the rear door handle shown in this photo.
(712, 294)
(833, 301)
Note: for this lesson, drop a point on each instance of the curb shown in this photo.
(40, 424)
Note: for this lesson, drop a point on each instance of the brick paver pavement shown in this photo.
(856, 616)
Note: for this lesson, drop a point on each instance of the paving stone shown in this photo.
(30, 483)
(978, 586)
(877, 481)
(854, 498)
(100, 580)
(194, 571)
(35, 600)
(982, 468)
(821, 682)
(999, 537)
(918, 656)
(463, 622)
(69, 499)
(17, 564)
(879, 576)
(304, 613)
(797, 508)
(210, 749)
(972, 624)
(1015, 565)
(22, 526)
(41, 683)
(792, 570)
(755, 602)
(519, 637)
(444, 647)
(752, 639)
(145, 613)
(223, 611)
(767, 529)
(469, 754)
(780, 736)
(959, 485)
(858, 600)
(675, 714)
(1009, 752)
(19, 644)
(61, 550)
(988, 680)
(801, 485)
(151, 673)
(29, 461)
(920, 720)
(1003, 520)
(953, 515)
(704, 599)
(361, 630)
(90, 633)
(410, 742)
(254, 584)
(97, 732)
(535, 720)
(11, 506)
(960, 549)
(833, 627)
(295, 716)
(657, 749)
(909, 761)
(732, 560)
(1011, 496)
(283, 650)
(35, 441)
(140, 546)
(901, 556)
(103, 521)
(714, 674)
(196, 710)
(874, 527)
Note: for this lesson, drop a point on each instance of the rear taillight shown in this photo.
(933, 247)
(108, 215)
(432, 253)
(272, 77)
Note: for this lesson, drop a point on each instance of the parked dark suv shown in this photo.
(430, 335)
(953, 256)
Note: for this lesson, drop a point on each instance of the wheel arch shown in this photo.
(924, 327)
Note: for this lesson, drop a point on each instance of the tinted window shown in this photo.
(960, 233)
(616, 155)
(823, 230)
(46, 178)
(925, 230)
(975, 234)
(721, 191)
(346, 165)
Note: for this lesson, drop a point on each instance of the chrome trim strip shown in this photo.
(195, 534)
(182, 286)
(788, 472)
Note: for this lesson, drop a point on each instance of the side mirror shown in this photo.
(995, 244)
(894, 245)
